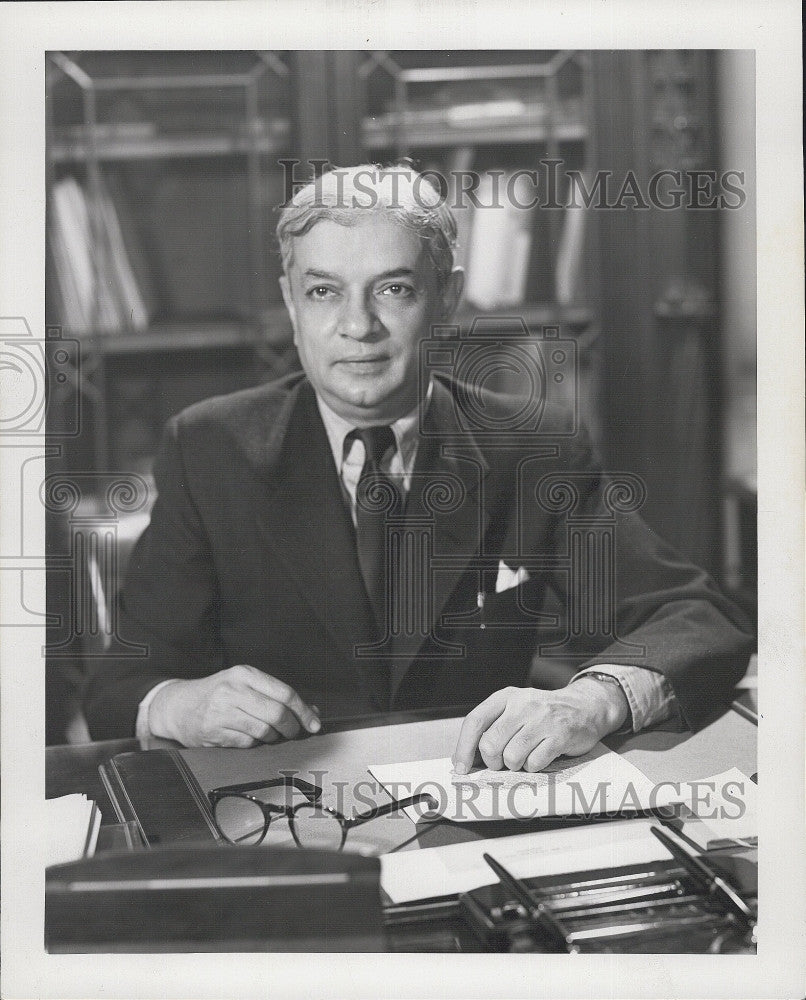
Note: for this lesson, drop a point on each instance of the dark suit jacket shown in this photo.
(250, 558)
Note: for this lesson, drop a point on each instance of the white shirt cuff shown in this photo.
(142, 729)
(649, 694)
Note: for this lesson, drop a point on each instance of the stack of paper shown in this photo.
(72, 824)
(726, 811)
(444, 871)
(599, 781)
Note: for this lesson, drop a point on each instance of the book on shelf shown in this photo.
(71, 251)
(459, 161)
(131, 271)
(507, 250)
(500, 244)
(570, 252)
(97, 285)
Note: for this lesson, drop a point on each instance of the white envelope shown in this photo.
(509, 578)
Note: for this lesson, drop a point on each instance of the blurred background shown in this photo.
(165, 172)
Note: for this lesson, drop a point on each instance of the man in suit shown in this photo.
(347, 541)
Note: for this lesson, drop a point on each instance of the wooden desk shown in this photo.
(663, 753)
(74, 767)
(349, 746)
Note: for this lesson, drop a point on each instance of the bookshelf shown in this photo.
(162, 180)
(183, 151)
(508, 102)
(498, 115)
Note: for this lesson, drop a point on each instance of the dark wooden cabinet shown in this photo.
(655, 111)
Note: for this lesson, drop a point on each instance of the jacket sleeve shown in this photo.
(167, 608)
(639, 600)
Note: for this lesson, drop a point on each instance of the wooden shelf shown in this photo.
(275, 327)
(571, 320)
(269, 139)
(182, 336)
(383, 135)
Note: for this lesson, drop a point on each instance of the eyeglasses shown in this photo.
(244, 819)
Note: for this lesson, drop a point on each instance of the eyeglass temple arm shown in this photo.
(251, 786)
(390, 807)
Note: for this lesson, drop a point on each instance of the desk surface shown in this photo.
(74, 767)
(350, 745)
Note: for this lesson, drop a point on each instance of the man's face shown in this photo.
(361, 299)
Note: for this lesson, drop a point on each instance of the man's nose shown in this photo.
(359, 319)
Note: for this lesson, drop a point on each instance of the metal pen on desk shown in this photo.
(745, 712)
(715, 885)
(539, 913)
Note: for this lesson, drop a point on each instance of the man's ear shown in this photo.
(452, 292)
(285, 288)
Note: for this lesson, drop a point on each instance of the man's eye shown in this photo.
(320, 292)
(397, 290)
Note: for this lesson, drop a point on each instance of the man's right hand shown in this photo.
(238, 707)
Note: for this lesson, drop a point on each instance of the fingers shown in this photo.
(511, 738)
(524, 729)
(266, 714)
(232, 738)
(475, 724)
(257, 729)
(235, 707)
(277, 691)
(543, 754)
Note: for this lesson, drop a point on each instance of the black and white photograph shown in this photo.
(402, 473)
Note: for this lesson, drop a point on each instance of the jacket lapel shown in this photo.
(449, 455)
(305, 521)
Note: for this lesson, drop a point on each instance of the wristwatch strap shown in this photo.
(610, 679)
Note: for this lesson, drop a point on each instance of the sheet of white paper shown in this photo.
(71, 825)
(597, 782)
(443, 871)
(725, 807)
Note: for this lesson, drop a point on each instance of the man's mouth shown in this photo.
(366, 361)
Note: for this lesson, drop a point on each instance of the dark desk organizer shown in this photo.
(646, 909)
(207, 897)
(156, 791)
(174, 885)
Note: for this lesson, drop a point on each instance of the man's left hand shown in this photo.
(526, 729)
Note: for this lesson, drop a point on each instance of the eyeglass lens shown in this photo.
(240, 820)
(316, 828)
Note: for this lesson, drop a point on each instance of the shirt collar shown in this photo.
(405, 429)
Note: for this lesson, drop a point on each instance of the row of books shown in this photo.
(98, 288)
(105, 285)
(498, 240)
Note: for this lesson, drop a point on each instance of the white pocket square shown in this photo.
(509, 578)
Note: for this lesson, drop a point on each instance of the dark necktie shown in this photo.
(376, 498)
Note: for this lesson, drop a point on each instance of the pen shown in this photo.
(745, 712)
(539, 912)
(715, 885)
